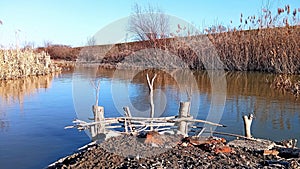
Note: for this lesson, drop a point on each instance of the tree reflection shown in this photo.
(247, 92)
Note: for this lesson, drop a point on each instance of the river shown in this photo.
(35, 110)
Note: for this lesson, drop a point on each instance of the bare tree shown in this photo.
(148, 23)
(91, 41)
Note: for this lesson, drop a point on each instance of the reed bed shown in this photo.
(268, 43)
(21, 63)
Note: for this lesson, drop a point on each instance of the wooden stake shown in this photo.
(183, 113)
(247, 125)
(99, 117)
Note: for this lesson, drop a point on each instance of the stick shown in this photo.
(247, 125)
(230, 134)
(189, 119)
(128, 114)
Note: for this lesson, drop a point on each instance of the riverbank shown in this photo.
(272, 50)
(134, 152)
(26, 62)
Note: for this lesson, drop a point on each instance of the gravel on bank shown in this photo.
(175, 152)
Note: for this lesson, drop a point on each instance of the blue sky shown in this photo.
(71, 22)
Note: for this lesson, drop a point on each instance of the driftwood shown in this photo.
(151, 86)
(137, 124)
(190, 119)
(142, 120)
(247, 125)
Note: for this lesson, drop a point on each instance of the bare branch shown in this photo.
(148, 23)
(96, 86)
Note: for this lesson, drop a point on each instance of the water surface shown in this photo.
(34, 111)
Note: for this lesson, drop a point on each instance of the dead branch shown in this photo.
(96, 86)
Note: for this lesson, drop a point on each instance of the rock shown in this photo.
(153, 138)
(271, 152)
(223, 149)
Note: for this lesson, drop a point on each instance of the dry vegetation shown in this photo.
(61, 52)
(22, 63)
(270, 45)
(267, 43)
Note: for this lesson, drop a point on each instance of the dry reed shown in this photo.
(22, 63)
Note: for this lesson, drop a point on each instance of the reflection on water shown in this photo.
(34, 111)
(15, 90)
(33, 114)
(277, 114)
(12, 91)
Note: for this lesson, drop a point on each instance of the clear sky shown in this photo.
(71, 22)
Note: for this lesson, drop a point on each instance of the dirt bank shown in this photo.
(134, 152)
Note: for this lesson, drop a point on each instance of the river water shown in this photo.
(35, 110)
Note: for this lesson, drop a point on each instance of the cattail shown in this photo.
(264, 10)
(280, 10)
(286, 22)
(179, 27)
(294, 12)
(270, 22)
(287, 8)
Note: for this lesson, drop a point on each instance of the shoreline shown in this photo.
(186, 153)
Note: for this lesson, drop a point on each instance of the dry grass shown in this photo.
(22, 63)
(270, 45)
(61, 52)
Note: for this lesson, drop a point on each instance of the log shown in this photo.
(247, 125)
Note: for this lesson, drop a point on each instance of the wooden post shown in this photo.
(247, 125)
(183, 112)
(99, 117)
